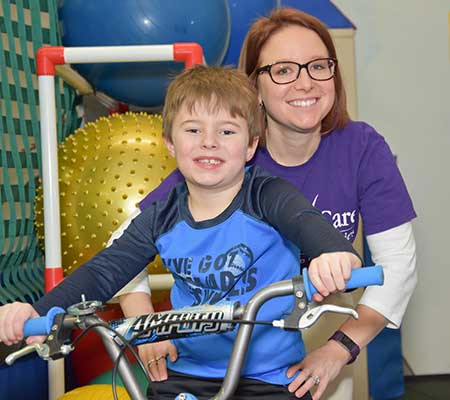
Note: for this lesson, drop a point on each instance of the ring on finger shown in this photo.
(150, 362)
(158, 358)
(316, 379)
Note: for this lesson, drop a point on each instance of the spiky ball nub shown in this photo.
(95, 392)
(105, 169)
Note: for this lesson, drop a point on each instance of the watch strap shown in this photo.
(347, 343)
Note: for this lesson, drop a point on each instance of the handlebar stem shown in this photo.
(124, 367)
(242, 340)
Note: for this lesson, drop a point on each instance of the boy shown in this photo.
(224, 234)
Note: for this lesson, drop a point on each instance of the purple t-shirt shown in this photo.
(352, 172)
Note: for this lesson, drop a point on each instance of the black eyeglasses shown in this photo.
(284, 72)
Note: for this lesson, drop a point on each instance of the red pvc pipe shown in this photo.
(52, 277)
(47, 58)
(189, 53)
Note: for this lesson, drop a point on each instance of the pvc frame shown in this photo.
(47, 58)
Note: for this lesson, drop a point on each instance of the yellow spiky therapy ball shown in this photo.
(95, 392)
(105, 169)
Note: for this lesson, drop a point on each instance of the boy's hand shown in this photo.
(154, 356)
(12, 319)
(330, 271)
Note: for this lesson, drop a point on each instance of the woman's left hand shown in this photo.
(318, 369)
(330, 271)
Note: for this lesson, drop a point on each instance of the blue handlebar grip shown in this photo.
(186, 396)
(360, 277)
(41, 325)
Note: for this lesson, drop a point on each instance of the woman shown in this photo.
(344, 168)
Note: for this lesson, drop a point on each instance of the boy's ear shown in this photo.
(170, 146)
(252, 146)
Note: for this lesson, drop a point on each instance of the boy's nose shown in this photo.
(209, 140)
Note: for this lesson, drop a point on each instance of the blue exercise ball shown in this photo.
(143, 22)
(243, 13)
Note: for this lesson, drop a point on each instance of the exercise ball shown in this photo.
(143, 22)
(242, 14)
(105, 169)
(106, 378)
(95, 392)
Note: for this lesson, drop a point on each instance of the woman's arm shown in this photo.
(385, 306)
(380, 306)
(153, 355)
(395, 250)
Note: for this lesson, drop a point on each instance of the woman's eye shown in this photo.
(283, 71)
(319, 66)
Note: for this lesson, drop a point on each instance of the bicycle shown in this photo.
(124, 333)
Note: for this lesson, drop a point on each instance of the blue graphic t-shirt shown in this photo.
(254, 242)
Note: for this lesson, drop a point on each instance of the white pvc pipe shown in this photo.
(49, 145)
(56, 379)
(52, 226)
(98, 54)
(160, 281)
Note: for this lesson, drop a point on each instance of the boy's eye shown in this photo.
(227, 132)
(193, 130)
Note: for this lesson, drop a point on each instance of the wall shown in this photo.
(403, 84)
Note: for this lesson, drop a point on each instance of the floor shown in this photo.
(436, 387)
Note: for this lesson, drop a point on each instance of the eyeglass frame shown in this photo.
(267, 68)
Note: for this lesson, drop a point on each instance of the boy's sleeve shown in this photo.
(107, 272)
(140, 282)
(287, 210)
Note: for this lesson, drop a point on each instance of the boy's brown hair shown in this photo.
(216, 88)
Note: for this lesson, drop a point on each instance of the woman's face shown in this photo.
(299, 106)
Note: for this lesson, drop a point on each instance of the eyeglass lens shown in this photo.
(286, 72)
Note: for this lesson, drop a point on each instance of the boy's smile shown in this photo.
(211, 148)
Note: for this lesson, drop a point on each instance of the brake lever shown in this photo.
(41, 349)
(311, 316)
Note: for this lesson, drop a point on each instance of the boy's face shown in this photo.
(211, 148)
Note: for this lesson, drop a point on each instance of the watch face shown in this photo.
(349, 344)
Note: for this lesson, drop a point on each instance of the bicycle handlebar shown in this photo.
(359, 278)
(41, 325)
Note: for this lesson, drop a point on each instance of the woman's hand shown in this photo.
(318, 369)
(154, 356)
(12, 320)
(330, 271)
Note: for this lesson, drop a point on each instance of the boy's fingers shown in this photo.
(35, 339)
(326, 274)
(317, 281)
(346, 269)
(338, 277)
(318, 297)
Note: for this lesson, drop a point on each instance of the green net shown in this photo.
(25, 26)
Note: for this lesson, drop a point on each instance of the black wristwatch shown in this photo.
(348, 344)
